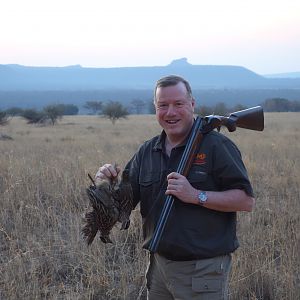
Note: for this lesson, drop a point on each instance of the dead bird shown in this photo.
(111, 201)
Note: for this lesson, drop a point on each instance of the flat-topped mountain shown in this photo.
(18, 77)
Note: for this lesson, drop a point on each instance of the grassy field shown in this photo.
(43, 176)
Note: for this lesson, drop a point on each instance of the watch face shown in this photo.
(202, 197)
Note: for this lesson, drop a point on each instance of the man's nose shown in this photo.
(171, 110)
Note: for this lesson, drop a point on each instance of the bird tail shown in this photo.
(90, 229)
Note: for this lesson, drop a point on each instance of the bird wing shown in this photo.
(125, 199)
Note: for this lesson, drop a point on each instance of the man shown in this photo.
(194, 255)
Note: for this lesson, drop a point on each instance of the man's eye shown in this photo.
(162, 105)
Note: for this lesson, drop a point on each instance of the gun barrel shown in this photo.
(183, 168)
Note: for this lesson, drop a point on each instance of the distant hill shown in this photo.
(17, 77)
(35, 87)
(284, 75)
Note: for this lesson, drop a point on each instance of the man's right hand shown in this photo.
(108, 171)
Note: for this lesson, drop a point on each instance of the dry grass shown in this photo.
(43, 175)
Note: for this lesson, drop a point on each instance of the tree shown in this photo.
(14, 111)
(3, 118)
(204, 110)
(94, 106)
(276, 104)
(220, 109)
(137, 106)
(238, 107)
(151, 107)
(53, 112)
(68, 109)
(295, 105)
(114, 110)
(33, 116)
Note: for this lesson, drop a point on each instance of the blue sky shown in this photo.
(263, 36)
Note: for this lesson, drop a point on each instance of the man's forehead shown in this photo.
(178, 91)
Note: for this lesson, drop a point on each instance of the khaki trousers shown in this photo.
(186, 280)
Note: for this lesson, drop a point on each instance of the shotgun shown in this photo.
(251, 118)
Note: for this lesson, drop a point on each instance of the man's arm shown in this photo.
(226, 201)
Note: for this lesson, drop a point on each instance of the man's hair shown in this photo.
(172, 80)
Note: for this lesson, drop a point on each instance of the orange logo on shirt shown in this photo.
(200, 159)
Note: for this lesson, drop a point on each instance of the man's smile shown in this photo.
(172, 121)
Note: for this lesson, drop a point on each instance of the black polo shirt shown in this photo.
(192, 231)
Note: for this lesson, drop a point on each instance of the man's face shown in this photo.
(174, 111)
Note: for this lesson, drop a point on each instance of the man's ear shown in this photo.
(193, 103)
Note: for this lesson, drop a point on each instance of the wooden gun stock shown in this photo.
(250, 118)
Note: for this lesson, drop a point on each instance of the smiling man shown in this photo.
(193, 259)
(174, 110)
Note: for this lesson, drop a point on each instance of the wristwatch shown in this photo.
(202, 197)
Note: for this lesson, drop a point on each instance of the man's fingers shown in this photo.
(171, 191)
(118, 169)
(173, 182)
(173, 175)
(107, 171)
(111, 170)
(171, 185)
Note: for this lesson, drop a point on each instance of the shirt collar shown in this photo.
(160, 143)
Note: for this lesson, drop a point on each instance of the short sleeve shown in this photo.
(229, 170)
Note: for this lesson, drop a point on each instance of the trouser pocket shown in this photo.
(204, 285)
(211, 277)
